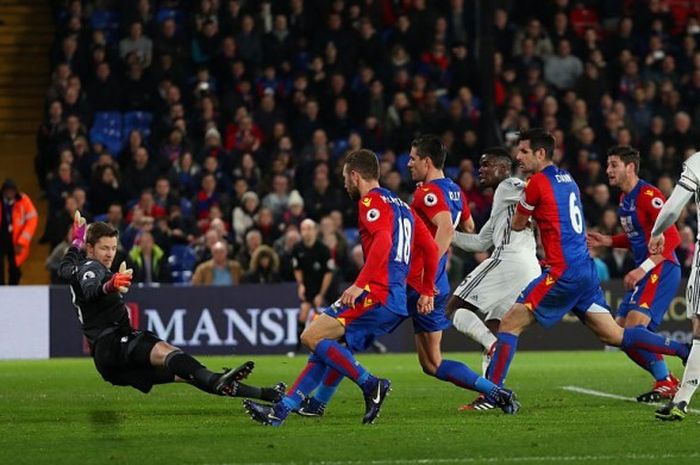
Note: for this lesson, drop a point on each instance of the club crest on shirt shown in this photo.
(430, 199)
(367, 201)
(649, 192)
(372, 215)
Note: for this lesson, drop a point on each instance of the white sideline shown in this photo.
(608, 395)
(524, 459)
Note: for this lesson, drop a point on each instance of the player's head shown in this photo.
(427, 151)
(309, 231)
(360, 166)
(623, 165)
(101, 243)
(535, 150)
(495, 165)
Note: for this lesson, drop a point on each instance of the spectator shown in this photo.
(139, 44)
(243, 215)
(140, 174)
(219, 270)
(148, 261)
(264, 267)
(19, 220)
(563, 69)
(253, 240)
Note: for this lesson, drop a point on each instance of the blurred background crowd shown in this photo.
(206, 131)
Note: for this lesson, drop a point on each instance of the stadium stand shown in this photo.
(220, 98)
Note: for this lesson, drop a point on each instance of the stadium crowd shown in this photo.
(207, 130)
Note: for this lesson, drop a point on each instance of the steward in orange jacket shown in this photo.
(18, 222)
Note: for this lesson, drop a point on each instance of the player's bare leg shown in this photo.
(677, 409)
(304, 310)
(428, 349)
(665, 384)
(323, 327)
(610, 333)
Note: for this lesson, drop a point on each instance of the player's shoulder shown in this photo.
(693, 163)
(511, 185)
(650, 195)
(427, 195)
(89, 269)
(375, 205)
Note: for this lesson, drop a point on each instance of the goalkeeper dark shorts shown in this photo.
(122, 357)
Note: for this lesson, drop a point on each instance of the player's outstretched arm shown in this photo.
(672, 209)
(475, 242)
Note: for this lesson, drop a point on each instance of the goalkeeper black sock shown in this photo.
(188, 368)
(243, 390)
(300, 329)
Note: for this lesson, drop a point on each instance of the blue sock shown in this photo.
(329, 384)
(651, 362)
(641, 338)
(461, 375)
(339, 357)
(306, 382)
(506, 345)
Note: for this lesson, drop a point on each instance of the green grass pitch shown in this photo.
(61, 412)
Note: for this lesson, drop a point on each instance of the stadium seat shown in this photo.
(452, 172)
(169, 13)
(402, 165)
(107, 130)
(181, 260)
(352, 235)
(109, 21)
(140, 120)
(101, 217)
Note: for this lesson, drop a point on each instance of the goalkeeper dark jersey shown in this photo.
(98, 312)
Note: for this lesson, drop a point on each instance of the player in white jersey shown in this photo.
(687, 186)
(493, 286)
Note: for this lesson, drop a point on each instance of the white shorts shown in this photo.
(494, 285)
(692, 291)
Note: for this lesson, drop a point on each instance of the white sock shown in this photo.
(691, 375)
(468, 323)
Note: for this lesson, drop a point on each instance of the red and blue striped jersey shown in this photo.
(436, 196)
(386, 227)
(638, 211)
(553, 199)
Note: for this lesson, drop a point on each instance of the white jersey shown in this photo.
(497, 231)
(690, 180)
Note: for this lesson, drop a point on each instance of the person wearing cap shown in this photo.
(18, 223)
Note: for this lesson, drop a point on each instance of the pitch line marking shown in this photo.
(592, 392)
(524, 459)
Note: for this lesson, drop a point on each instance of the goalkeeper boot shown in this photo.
(229, 378)
(663, 389)
(673, 411)
(266, 414)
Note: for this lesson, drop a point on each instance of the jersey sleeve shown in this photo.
(649, 204)
(690, 177)
(429, 200)
(89, 277)
(376, 217)
(531, 195)
(69, 264)
(425, 246)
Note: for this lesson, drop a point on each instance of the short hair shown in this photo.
(98, 230)
(539, 138)
(431, 146)
(365, 162)
(627, 154)
(501, 154)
